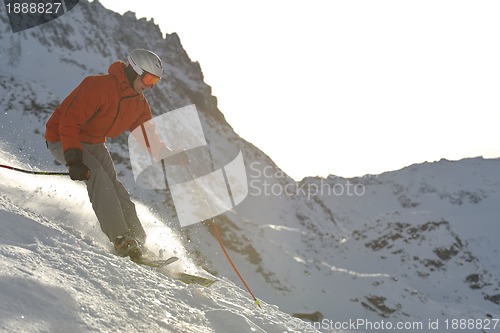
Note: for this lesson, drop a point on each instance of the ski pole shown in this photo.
(234, 266)
(47, 173)
(198, 189)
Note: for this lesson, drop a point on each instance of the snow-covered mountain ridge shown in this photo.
(422, 235)
(413, 244)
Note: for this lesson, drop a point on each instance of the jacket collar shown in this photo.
(117, 70)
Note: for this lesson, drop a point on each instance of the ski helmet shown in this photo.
(143, 60)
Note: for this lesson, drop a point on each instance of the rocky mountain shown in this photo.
(416, 244)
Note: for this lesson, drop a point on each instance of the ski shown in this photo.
(195, 279)
(183, 277)
(156, 263)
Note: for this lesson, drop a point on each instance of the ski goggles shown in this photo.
(149, 79)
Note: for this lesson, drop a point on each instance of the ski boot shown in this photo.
(126, 246)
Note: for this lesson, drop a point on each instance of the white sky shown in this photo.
(346, 87)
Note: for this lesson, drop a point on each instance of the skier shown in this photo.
(105, 106)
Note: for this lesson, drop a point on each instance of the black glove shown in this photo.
(77, 169)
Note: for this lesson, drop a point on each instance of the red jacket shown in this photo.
(101, 106)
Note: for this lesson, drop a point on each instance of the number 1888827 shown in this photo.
(471, 324)
(33, 8)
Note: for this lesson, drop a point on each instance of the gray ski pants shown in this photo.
(110, 200)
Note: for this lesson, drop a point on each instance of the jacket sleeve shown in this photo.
(77, 109)
(144, 131)
(143, 117)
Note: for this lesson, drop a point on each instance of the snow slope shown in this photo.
(57, 273)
